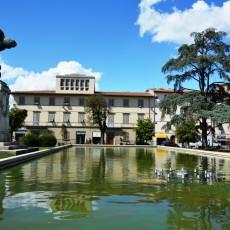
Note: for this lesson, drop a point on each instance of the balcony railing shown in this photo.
(76, 124)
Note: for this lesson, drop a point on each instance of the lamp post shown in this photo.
(154, 111)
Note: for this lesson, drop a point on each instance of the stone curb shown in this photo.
(198, 152)
(14, 160)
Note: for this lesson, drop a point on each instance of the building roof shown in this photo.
(128, 94)
(115, 94)
(74, 75)
(35, 92)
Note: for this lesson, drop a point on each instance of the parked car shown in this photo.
(170, 144)
(198, 144)
(211, 143)
(141, 143)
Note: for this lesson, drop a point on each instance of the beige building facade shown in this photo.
(49, 110)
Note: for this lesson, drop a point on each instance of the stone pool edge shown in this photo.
(18, 159)
(198, 152)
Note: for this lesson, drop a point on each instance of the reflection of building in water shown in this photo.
(70, 180)
(164, 159)
(73, 172)
(114, 164)
(78, 164)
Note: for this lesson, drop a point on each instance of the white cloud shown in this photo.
(177, 26)
(25, 80)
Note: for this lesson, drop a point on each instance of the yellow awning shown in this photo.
(161, 135)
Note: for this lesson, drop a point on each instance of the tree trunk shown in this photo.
(204, 132)
(102, 137)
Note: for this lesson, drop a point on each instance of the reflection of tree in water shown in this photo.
(196, 206)
(64, 162)
(98, 171)
(145, 160)
(186, 161)
(2, 193)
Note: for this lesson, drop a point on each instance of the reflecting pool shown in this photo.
(116, 188)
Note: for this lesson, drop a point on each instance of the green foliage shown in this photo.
(42, 140)
(47, 140)
(64, 132)
(144, 130)
(186, 130)
(16, 119)
(5, 155)
(6, 43)
(97, 110)
(30, 140)
(207, 57)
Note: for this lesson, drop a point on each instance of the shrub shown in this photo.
(47, 140)
(30, 140)
(43, 140)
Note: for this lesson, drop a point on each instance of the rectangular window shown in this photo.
(140, 103)
(82, 84)
(66, 117)
(36, 117)
(141, 116)
(125, 118)
(67, 84)
(125, 102)
(86, 83)
(110, 120)
(81, 117)
(111, 102)
(62, 82)
(77, 85)
(21, 100)
(51, 117)
(37, 100)
(72, 84)
(51, 100)
(66, 101)
(81, 101)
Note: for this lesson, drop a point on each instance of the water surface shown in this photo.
(116, 188)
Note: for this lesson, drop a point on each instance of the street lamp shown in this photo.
(154, 111)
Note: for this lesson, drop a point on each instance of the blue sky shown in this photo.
(123, 43)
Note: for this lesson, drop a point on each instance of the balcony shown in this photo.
(75, 124)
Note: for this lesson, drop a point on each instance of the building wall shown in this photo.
(37, 102)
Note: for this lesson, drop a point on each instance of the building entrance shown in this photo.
(80, 137)
(96, 138)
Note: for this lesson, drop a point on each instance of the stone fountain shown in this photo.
(6, 145)
(4, 112)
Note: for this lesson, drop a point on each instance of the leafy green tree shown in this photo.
(16, 119)
(144, 130)
(201, 61)
(97, 109)
(186, 130)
